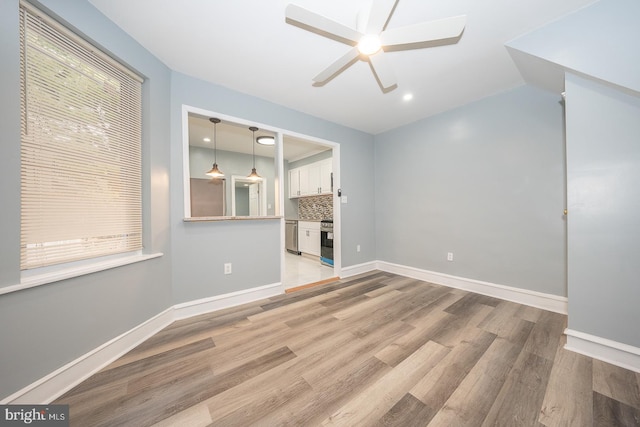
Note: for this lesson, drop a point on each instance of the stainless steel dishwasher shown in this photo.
(291, 236)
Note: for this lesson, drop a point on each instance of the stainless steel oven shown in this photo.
(326, 242)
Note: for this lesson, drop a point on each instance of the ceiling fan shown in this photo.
(371, 39)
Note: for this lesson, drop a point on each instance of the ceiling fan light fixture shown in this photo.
(369, 44)
(368, 40)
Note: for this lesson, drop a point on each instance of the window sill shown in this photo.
(43, 279)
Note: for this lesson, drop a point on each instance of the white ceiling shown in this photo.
(247, 46)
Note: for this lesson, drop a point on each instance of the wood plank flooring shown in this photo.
(373, 350)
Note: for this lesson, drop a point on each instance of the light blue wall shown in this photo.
(603, 171)
(484, 181)
(44, 328)
(242, 201)
(254, 247)
(9, 148)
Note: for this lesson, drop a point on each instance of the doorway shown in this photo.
(311, 180)
(248, 197)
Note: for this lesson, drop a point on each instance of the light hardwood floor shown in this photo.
(377, 349)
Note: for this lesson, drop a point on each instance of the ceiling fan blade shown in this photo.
(337, 66)
(440, 29)
(379, 15)
(383, 71)
(319, 24)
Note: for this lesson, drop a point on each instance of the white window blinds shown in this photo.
(80, 149)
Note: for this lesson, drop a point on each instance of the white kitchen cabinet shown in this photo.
(303, 172)
(326, 176)
(309, 237)
(294, 183)
(311, 179)
(313, 172)
(299, 182)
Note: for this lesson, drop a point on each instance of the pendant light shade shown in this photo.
(214, 172)
(254, 175)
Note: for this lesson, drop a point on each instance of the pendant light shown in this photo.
(215, 172)
(254, 175)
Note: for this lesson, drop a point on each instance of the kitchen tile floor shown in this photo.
(300, 270)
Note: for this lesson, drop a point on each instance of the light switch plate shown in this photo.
(344, 199)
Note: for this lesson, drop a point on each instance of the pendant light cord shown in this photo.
(215, 145)
(253, 130)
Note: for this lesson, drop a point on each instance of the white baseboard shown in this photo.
(616, 353)
(354, 270)
(541, 300)
(218, 302)
(55, 384)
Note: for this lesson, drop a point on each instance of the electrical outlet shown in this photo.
(449, 256)
(227, 268)
(358, 248)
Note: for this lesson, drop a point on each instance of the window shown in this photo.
(80, 148)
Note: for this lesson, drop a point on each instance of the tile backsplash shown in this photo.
(316, 207)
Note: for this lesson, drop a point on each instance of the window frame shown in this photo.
(40, 275)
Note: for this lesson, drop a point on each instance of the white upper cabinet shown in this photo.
(326, 176)
(294, 183)
(314, 178)
(311, 180)
(303, 172)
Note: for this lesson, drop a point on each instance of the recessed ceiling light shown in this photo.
(206, 139)
(407, 96)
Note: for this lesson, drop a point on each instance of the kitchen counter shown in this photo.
(230, 218)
